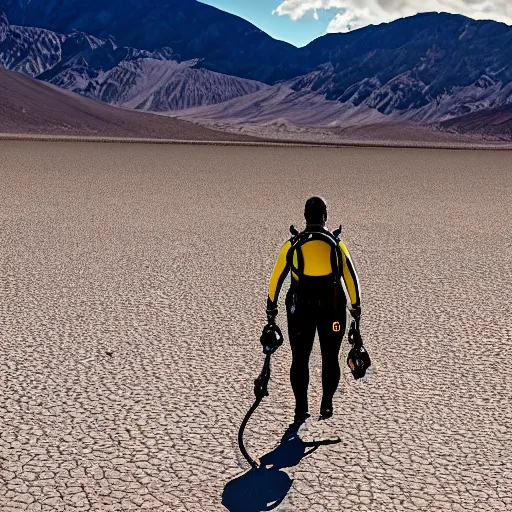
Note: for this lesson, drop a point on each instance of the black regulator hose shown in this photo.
(260, 391)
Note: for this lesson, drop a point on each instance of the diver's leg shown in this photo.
(331, 327)
(301, 332)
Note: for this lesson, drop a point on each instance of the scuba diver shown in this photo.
(320, 265)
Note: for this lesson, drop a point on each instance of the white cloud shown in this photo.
(353, 14)
(297, 8)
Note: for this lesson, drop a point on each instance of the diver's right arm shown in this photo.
(281, 269)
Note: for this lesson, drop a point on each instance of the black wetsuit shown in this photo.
(315, 301)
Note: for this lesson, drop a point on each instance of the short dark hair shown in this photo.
(315, 211)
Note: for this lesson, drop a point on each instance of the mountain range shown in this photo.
(34, 107)
(225, 43)
(156, 80)
(171, 55)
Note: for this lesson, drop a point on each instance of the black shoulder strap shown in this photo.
(339, 257)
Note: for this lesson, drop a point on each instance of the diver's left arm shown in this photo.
(351, 282)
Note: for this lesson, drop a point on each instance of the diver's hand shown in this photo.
(271, 338)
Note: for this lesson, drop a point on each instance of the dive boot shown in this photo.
(301, 416)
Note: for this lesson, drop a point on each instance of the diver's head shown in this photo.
(315, 211)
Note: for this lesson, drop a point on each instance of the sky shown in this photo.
(300, 21)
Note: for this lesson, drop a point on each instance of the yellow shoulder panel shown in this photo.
(279, 269)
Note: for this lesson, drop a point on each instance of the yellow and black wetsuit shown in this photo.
(316, 300)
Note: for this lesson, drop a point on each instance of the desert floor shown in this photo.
(133, 282)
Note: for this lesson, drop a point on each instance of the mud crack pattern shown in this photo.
(133, 282)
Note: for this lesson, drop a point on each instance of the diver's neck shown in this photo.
(314, 227)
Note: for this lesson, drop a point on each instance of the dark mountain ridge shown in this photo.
(416, 64)
(225, 43)
(441, 50)
(158, 80)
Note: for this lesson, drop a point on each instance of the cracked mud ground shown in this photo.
(133, 284)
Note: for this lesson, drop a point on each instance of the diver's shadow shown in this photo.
(265, 487)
